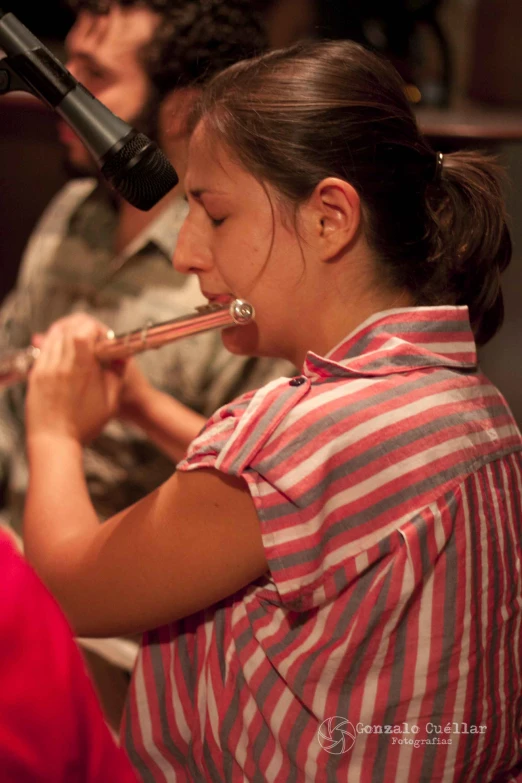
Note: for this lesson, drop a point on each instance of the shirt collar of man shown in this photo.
(163, 231)
(95, 210)
(399, 341)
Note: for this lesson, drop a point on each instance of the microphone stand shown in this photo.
(10, 81)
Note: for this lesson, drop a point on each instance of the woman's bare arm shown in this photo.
(190, 543)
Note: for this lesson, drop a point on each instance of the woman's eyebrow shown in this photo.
(197, 193)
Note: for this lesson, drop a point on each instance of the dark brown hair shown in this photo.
(293, 117)
(194, 40)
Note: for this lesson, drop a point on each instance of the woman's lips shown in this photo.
(222, 299)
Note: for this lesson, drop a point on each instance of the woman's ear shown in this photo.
(334, 215)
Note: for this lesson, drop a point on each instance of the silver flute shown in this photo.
(16, 365)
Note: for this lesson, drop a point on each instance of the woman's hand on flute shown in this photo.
(69, 393)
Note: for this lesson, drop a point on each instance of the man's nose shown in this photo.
(191, 255)
(71, 67)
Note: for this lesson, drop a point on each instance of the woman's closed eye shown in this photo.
(216, 221)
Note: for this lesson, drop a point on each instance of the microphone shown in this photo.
(129, 160)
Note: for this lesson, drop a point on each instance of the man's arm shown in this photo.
(169, 424)
(14, 333)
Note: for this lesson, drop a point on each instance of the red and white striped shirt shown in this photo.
(385, 643)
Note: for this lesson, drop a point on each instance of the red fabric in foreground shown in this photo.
(51, 725)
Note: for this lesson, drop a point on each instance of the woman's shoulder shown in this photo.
(239, 429)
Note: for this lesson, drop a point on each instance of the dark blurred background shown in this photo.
(438, 43)
(460, 59)
(49, 20)
(409, 32)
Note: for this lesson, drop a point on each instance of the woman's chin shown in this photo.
(241, 340)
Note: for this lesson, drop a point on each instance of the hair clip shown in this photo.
(439, 165)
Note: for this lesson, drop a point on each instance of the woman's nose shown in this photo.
(191, 254)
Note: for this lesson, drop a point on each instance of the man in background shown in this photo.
(93, 252)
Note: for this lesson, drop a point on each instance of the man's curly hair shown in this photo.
(195, 39)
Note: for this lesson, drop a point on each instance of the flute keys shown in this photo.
(15, 366)
(25, 359)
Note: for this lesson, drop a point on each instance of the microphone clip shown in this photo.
(10, 81)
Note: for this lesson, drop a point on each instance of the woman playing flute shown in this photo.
(329, 585)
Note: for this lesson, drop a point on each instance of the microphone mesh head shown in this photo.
(139, 171)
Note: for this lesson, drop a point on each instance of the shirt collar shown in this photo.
(399, 341)
(163, 231)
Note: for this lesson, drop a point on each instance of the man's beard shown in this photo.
(146, 121)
